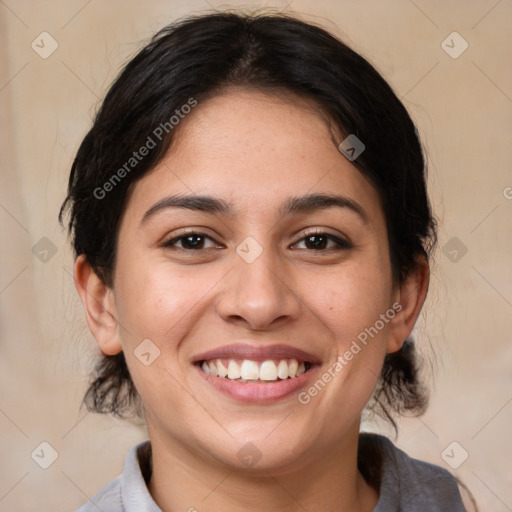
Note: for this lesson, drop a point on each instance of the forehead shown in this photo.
(256, 131)
(255, 150)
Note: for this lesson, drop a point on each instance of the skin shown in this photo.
(254, 150)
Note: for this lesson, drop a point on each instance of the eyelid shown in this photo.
(305, 232)
(195, 230)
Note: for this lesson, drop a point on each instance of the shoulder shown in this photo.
(405, 483)
(107, 499)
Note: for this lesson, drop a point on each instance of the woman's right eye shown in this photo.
(190, 242)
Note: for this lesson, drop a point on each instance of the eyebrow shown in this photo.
(294, 205)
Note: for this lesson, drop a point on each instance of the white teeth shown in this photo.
(213, 368)
(249, 370)
(292, 367)
(282, 370)
(233, 370)
(222, 370)
(268, 371)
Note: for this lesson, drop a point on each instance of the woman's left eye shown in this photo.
(320, 242)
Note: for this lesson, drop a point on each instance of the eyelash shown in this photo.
(341, 243)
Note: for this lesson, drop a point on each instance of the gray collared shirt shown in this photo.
(405, 484)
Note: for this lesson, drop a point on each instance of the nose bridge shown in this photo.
(256, 291)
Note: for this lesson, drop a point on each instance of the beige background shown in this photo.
(463, 108)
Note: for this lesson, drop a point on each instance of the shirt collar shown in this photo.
(134, 491)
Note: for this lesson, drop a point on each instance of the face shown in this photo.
(275, 276)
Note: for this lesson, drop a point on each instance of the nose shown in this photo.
(256, 295)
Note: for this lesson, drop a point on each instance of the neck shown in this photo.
(184, 482)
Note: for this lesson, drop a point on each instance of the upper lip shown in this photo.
(256, 353)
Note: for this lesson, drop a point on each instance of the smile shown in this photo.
(256, 373)
(250, 371)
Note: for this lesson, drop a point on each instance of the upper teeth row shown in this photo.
(251, 370)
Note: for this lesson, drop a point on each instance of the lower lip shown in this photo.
(258, 392)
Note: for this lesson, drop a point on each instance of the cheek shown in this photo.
(159, 302)
(351, 312)
(352, 300)
(163, 305)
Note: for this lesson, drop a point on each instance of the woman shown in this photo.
(252, 232)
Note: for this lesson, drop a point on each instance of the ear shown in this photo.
(99, 305)
(410, 295)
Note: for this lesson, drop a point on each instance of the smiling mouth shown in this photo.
(254, 372)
